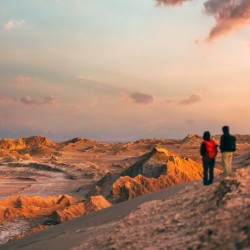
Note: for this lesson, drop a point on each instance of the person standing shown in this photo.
(208, 151)
(227, 147)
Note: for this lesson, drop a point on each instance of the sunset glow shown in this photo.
(123, 70)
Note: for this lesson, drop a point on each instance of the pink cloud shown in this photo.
(22, 79)
(48, 100)
(6, 100)
(228, 15)
(12, 24)
(191, 100)
(141, 98)
(171, 2)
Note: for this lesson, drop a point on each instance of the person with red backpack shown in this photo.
(208, 151)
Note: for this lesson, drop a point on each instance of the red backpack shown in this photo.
(211, 149)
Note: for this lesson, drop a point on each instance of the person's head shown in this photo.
(225, 129)
(206, 136)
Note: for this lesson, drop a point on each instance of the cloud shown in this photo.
(12, 24)
(189, 121)
(46, 101)
(170, 2)
(228, 15)
(22, 79)
(191, 100)
(92, 84)
(141, 98)
(6, 100)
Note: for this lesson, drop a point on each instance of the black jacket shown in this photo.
(227, 143)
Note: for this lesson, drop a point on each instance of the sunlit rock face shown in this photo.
(37, 213)
(24, 148)
(93, 204)
(156, 170)
(32, 207)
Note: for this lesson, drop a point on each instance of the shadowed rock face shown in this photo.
(77, 144)
(152, 164)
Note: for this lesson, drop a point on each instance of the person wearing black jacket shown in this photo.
(227, 147)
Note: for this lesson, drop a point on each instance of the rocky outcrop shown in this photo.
(20, 149)
(41, 212)
(176, 170)
(32, 207)
(192, 138)
(35, 141)
(22, 143)
(104, 185)
(69, 213)
(10, 144)
(152, 164)
(78, 144)
(198, 217)
(151, 172)
(93, 204)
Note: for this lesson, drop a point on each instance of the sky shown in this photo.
(116, 70)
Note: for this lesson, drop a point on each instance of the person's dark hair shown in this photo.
(206, 135)
(225, 129)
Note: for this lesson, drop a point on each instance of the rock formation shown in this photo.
(93, 204)
(151, 172)
(22, 148)
(39, 211)
(32, 207)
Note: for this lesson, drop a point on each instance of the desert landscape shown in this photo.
(103, 109)
(45, 183)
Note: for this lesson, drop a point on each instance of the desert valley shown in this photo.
(44, 183)
(104, 106)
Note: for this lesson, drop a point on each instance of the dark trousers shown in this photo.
(208, 171)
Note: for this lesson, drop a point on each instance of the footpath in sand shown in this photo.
(188, 216)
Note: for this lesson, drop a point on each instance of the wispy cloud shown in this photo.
(45, 101)
(92, 84)
(23, 79)
(13, 24)
(5, 100)
(191, 100)
(170, 2)
(228, 15)
(141, 98)
(189, 121)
